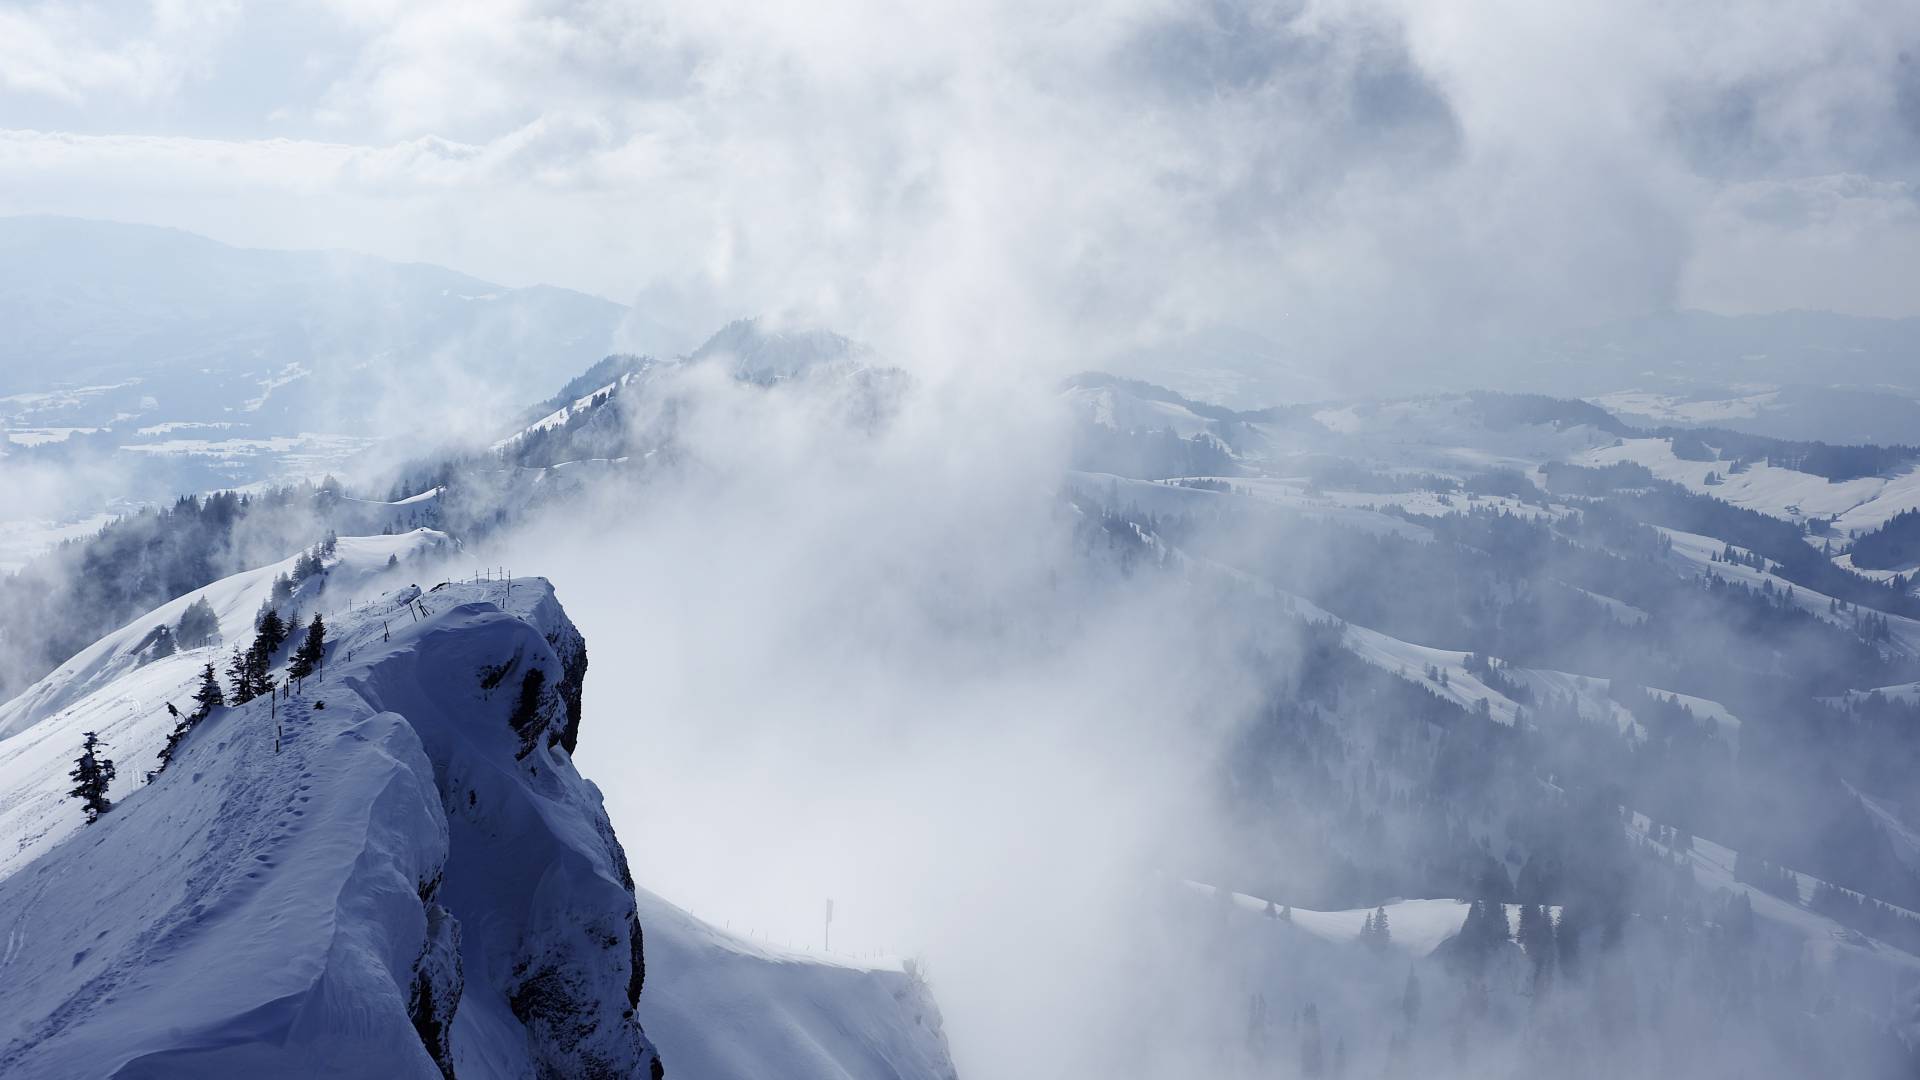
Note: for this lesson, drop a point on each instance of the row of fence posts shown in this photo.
(416, 607)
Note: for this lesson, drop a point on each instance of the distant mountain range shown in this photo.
(1789, 375)
(104, 323)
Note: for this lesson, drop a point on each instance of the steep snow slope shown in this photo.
(388, 872)
(723, 1008)
(111, 687)
(1886, 978)
(1699, 552)
(380, 873)
(1462, 685)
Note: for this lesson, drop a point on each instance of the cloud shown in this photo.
(78, 52)
(1035, 186)
(1844, 242)
(875, 666)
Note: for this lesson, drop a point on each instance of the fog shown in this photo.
(874, 669)
(892, 663)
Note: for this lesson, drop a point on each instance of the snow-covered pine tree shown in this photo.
(198, 626)
(91, 775)
(306, 659)
(272, 630)
(239, 672)
(208, 697)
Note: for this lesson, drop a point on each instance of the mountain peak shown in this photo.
(757, 350)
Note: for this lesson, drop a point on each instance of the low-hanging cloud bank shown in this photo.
(876, 669)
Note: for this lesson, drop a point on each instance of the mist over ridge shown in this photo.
(1094, 539)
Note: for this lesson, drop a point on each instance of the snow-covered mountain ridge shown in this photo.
(375, 873)
(391, 869)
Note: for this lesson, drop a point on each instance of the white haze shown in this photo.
(871, 669)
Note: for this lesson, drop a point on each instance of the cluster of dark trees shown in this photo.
(1150, 455)
(1341, 474)
(1893, 545)
(1376, 933)
(78, 592)
(1867, 915)
(1835, 463)
(1525, 590)
(1767, 877)
(250, 671)
(1355, 783)
(1488, 670)
(1501, 411)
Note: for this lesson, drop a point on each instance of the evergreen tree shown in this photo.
(198, 626)
(1566, 939)
(1257, 1026)
(1312, 1056)
(1375, 932)
(162, 642)
(208, 697)
(91, 774)
(1410, 999)
(272, 631)
(240, 674)
(259, 668)
(307, 658)
(282, 593)
(1536, 937)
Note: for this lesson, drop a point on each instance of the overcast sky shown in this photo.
(1022, 175)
